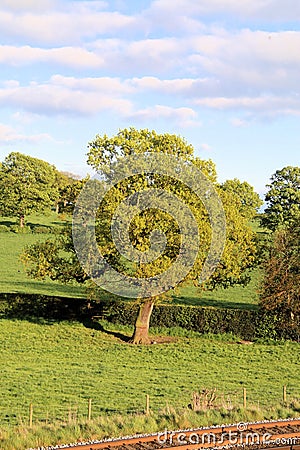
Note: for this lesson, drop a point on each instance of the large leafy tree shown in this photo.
(239, 253)
(247, 200)
(27, 185)
(283, 199)
(281, 284)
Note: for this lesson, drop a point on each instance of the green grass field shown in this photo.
(14, 278)
(58, 366)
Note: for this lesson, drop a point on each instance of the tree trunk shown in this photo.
(141, 327)
(22, 220)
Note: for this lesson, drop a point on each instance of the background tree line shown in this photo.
(30, 185)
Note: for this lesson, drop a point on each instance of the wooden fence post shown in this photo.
(90, 409)
(147, 404)
(284, 394)
(245, 397)
(30, 414)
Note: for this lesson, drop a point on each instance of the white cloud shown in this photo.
(23, 118)
(32, 5)
(184, 117)
(105, 85)
(9, 135)
(265, 105)
(206, 147)
(66, 95)
(238, 122)
(267, 10)
(208, 64)
(177, 86)
(71, 26)
(247, 62)
(185, 90)
(75, 57)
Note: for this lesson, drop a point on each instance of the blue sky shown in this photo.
(225, 74)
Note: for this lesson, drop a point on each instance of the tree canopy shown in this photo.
(27, 185)
(69, 187)
(104, 153)
(281, 284)
(283, 199)
(248, 201)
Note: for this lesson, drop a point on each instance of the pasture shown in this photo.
(57, 366)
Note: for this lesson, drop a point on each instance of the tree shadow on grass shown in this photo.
(8, 222)
(92, 324)
(28, 287)
(211, 302)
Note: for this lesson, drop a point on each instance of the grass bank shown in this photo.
(43, 434)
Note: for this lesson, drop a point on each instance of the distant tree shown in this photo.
(69, 186)
(281, 284)
(239, 254)
(69, 194)
(283, 199)
(62, 181)
(247, 200)
(27, 185)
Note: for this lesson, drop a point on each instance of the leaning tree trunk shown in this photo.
(141, 327)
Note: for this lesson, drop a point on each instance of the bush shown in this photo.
(42, 229)
(42, 306)
(246, 324)
(4, 229)
(20, 230)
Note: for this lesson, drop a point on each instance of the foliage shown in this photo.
(27, 185)
(246, 324)
(42, 229)
(69, 188)
(4, 229)
(247, 200)
(239, 252)
(54, 258)
(283, 199)
(281, 284)
(18, 229)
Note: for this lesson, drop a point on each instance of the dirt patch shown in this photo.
(162, 339)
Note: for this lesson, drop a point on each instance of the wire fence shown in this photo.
(83, 409)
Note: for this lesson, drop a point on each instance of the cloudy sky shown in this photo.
(225, 74)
